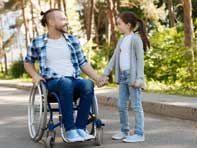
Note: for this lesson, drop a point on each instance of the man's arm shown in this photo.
(30, 68)
(87, 69)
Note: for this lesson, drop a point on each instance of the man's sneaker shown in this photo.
(73, 136)
(84, 134)
(120, 136)
(134, 138)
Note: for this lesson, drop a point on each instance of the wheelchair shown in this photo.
(41, 109)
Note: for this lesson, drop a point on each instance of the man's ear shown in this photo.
(51, 22)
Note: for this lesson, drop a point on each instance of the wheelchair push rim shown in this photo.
(37, 111)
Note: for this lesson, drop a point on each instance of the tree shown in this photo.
(188, 31)
(27, 36)
(64, 6)
(171, 13)
(111, 22)
(88, 16)
(59, 4)
(34, 27)
(188, 23)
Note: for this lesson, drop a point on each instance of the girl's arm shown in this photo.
(110, 65)
(139, 62)
(112, 61)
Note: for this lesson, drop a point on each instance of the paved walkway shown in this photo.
(169, 105)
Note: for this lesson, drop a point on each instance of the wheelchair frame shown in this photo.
(40, 103)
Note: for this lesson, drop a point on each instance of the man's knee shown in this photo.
(88, 86)
(65, 84)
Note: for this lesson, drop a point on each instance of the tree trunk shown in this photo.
(96, 26)
(34, 27)
(50, 4)
(39, 3)
(27, 39)
(5, 64)
(64, 5)
(55, 4)
(188, 32)
(1, 66)
(188, 24)
(111, 27)
(59, 4)
(97, 21)
(171, 13)
(111, 23)
(88, 17)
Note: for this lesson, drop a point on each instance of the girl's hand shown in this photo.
(137, 84)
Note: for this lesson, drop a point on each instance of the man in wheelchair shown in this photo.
(61, 59)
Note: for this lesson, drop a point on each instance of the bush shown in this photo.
(168, 61)
(17, 69)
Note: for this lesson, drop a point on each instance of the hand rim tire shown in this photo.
(36, 134)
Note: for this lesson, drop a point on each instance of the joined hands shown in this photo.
(101, 81)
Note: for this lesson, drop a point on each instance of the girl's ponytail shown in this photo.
(142, 30)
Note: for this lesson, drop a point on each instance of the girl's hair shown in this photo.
(44, 16)
(131, 18)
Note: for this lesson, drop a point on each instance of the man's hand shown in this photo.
(101, 81)
(37, 78)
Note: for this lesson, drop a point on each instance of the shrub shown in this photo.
(168, 61)
(17, 69)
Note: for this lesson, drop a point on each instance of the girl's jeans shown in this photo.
(135, 94)
(67, 87)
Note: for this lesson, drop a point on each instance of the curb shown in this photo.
(165, 109)
(109, 99)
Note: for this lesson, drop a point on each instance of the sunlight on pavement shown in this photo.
(7, 120)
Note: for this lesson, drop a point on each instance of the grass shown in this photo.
(173, 89)
(24, 78)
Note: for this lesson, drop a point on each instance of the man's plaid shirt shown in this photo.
(37, 51)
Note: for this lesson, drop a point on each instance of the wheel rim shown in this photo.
(37, 112)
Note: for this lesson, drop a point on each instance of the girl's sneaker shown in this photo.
(134, 138)
(120, 136)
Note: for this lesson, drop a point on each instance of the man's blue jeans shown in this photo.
(66, 87)
(126, 91)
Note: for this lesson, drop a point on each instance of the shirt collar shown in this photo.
(45, 36)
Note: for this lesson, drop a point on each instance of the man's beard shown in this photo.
(62, 30)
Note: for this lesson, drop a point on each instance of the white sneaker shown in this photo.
(120, 136)
(73, 136)
(85, 135)
(134, 138)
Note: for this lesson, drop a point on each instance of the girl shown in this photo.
(128, 61)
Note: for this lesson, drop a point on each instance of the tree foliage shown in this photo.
(167, 61)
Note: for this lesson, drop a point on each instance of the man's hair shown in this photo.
(45, 16)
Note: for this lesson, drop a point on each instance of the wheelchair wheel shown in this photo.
(95, 125)
(37, 111)
(50, 142)
(98, 124)
(99, 136)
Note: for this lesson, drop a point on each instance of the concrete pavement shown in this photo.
(160, 131)
(182, 107)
